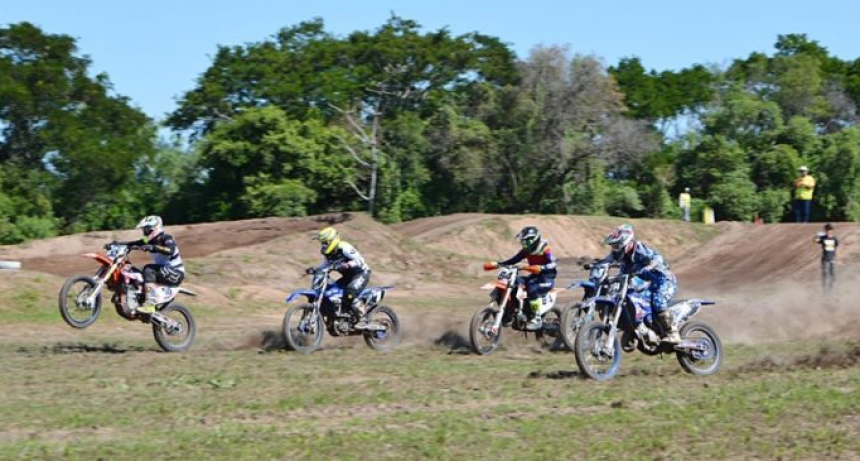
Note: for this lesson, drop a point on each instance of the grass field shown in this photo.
(120, 399)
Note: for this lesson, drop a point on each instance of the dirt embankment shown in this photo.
(61, 255)
(765, 278)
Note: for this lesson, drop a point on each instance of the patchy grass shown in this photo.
(111, 401)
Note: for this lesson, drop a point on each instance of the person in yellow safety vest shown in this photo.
(684, 201)
(804, 186)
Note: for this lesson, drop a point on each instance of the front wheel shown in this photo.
(384, 338)
(484, 340)
(572, 319)
(706, 356)
(595, 358)
(303, 335)
(78, 306)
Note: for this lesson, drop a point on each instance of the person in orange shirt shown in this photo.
(804, 186)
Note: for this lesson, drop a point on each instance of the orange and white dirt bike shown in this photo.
(81, 299)
(508, 308)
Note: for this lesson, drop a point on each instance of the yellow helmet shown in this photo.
(329, 238)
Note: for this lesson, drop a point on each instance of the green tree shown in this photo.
(58, 120)
(254, 161)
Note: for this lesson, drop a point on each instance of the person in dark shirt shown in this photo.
(543, 267)
(635, 257)
(828, 243)
(354, 271)
(167, 267)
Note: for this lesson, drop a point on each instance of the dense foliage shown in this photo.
(408, 123)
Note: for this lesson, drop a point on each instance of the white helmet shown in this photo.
(621, 239)
(152, 227)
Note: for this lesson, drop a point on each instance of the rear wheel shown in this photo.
(179, 334)
(77, 305)
(386, 338)
(550, 332)
(595, 358)
(303, 335)
(707, 355)
(484, 340)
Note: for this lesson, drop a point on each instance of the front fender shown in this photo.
(310, 294)
(587, 284)
(102, 259)
(604, 300)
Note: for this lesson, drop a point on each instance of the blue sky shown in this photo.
(153, 50)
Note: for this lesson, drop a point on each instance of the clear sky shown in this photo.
(153, 50)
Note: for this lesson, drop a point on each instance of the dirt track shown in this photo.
(758, 273)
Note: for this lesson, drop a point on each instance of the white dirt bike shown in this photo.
(80, 300)
(507, 308)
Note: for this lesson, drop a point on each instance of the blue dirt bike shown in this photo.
(584, 311)
(626, 323)
(304, 323)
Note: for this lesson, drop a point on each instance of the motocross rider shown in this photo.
(167, 267)
(646, 263)
(355, 273)
(542, 265)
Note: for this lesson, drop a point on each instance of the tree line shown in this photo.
(406, 123)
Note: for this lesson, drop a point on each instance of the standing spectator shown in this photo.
(684, 201)
(828, 243)
(803, 188)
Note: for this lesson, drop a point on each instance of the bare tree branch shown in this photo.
(358, 191)
(354, 153)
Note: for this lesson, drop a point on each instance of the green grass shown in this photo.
(419, 403)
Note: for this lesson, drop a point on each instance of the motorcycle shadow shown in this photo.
(85, 348)
(454, 342)
(558, 374)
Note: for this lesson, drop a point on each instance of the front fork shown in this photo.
(502, 302)
(608, 345)
(312, 321)
(90, 301)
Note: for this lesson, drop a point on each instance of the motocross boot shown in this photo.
(361, 319)
(535, 322)
(669, 326)
(148, 306)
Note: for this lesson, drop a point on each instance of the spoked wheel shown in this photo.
(572, 319)
(385, 338)
(77, 305)
(177, 333)
(550, 333)
(301, 333)
(484, 340)
(705, 358)
(597, 359)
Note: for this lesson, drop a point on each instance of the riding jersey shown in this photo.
(346, 260)
(542, 257)
(828, 247)
(165, 252)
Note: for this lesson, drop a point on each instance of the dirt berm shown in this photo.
(765, 277)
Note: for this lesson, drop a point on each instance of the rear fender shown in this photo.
(372, 296)
(684, 311)
(310, 294)
(188, 292)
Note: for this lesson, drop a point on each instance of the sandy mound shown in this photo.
(765, 278)
(492, 236)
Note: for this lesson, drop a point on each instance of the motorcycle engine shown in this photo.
(341, 327)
